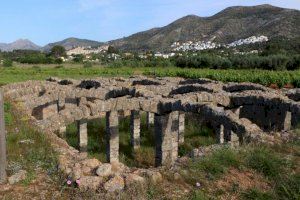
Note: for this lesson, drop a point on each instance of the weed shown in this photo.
(198, 195)
(263, 160)
(255, 194)
(217, 163)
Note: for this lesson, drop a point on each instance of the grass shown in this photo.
(264, 77)
(256, 194)
(213, 166)
(278, 168)
(27, 149)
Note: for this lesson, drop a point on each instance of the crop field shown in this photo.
(264, 77)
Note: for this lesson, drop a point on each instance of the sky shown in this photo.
(45, 21)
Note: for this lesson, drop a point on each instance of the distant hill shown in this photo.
(19, 44)
(226, 26)
(70, 43)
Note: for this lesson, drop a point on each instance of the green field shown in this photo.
(264, 77)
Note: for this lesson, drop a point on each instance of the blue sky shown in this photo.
(44, 21)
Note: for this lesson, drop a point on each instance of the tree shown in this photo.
(58, 51)
(112, 49)
(7, 63)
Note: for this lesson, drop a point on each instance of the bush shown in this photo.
(87, 65)
(7, 63)
(217, 163)
(255, 194)
(59, 67)
(288, 187)
(264, 160)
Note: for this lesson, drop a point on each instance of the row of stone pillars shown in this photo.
(225, 135)
(169, 132)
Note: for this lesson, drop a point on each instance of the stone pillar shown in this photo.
(181, 128)
(82, 135)
(166, 138)
(234, 139)
(112, 136)
(287, 121)
(220, 134)
(150, 119)
(60, 104)
(135, 129)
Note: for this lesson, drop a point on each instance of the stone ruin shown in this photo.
(238, 112)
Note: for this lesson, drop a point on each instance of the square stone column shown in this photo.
(166, 138)
(287, 121)
(112, 136)
(82, 135)
(61, 102)
(234, 139)
(135, 129)
(220, 134)
(149, 119)
(181, 128)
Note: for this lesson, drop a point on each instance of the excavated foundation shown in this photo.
(238, 113)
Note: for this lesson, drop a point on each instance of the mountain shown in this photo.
(70, 43)
(227, 26)
(19, 44)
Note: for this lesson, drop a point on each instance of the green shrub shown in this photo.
(7, 63)
(217, 163)
(144, 157)
(288, 187)
(264, 160)
(255, 194)
(87, 65)
(198, 195)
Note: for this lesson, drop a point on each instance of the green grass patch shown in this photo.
(27, 148)
(264, 77)
(215, 164)
(256, 194)
(264, 160)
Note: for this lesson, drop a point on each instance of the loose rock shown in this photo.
(104, 170)
(114, 184)
(16, 178)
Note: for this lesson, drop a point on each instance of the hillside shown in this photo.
(226, 26)
(19, 44)
(70, 43)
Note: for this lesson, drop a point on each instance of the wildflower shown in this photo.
(69, 182)
(198, 185)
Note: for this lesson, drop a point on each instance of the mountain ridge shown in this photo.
(228, 25)
(20, 44)
(231, 24)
